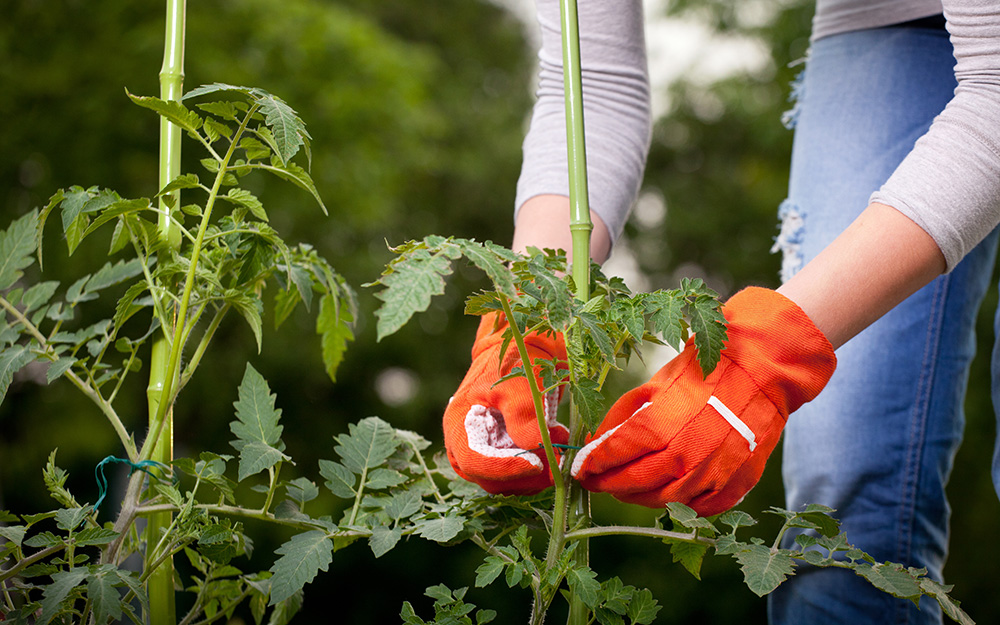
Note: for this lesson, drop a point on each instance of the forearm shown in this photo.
(544, 221)
(879, 261)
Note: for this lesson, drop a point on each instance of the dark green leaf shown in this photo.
(383, 539)
(55, 593)
(488, 571)
(493, 266)
(690, 555)
(333, 324)
(301, 559)
(442, 529)
(409, 288)
(103, 593)
(764, 569)
(339, 479)
(367, 445)
(892, 578)
(95, 536)
(589, 401)
(709, 329)
(643, 608)
(583, 583)
(17, 244)
(12, 360)
(184, 181)
(172, 110)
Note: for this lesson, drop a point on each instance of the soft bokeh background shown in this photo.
(417, 111)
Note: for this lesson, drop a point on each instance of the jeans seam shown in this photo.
(918, 430)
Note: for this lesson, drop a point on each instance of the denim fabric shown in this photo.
(878, 443)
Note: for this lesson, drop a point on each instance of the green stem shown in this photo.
(580, 231)
(159, 446)
(629, 530)
(35, 557)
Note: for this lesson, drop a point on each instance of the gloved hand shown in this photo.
(704, 441)
(491, 432)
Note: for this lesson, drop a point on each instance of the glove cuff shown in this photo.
(779, 347)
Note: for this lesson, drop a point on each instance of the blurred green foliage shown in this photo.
(417, 113)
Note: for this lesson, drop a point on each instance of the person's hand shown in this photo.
(704, 441)
(491, 432)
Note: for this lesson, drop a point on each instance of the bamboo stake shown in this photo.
(580, 230)
(160, 584)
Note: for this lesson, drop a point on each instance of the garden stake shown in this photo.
(160, 585)
(578, 503)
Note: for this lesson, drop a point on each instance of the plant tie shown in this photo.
(142, 465)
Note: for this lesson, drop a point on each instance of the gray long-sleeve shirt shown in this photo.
(949, 184)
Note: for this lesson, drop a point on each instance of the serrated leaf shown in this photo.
(288, 130)
(367, 445)
(403, 505)
(302, 490)
(17, 246)
(95, 536)
(629, 312)
(589, 401)
(13, 533)
(383, 539)
(643, 608)
(301, 559)
(110, 275)
(297, 176)
(690, 556)
(764, 569)
(43, 540)
(552, 291)
(584, 585)
(948, 605)
(709, 329)
(256, 416)
(333, 326)
(103, 593)
(687, 517)
(68, 519)
(667, 316)
(493, 266)
(414, 280)
(12, 360)
(172, 110)
(892, 578)
(183, 181)
(488, 571)
(382, 478)
(256, 456)
(38, 295)
(55, 593)
(442, 529)
(249, 201)
(339, 479)
(736, 519)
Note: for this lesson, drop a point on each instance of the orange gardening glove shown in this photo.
(704, 441)
(491, 432)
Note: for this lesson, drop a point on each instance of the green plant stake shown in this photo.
(580, 230)
(160, 585)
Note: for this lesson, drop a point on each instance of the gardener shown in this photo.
(888, 239)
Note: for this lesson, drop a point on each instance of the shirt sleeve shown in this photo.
(949, 184)
(616, 113)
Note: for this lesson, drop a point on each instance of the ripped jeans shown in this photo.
(879, 442)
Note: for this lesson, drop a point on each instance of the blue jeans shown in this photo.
(879, 442)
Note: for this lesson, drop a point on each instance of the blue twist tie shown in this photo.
(143, 465)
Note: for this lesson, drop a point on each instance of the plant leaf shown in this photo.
(339, 479)
(12, 360)
(383, 539)
(103, 593)
(488, 571)
(367, 445)
(256, 456)
(414, 279)
(172, 110)
(55, 593)
(892, 578)
(258, 418)
(690, 555)
(583, 583)
(333, 324)
(764, 569)
(442, 529)
(301, 559)
(17, 246)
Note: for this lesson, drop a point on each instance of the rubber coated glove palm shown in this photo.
(491, 432)
(704, 441)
